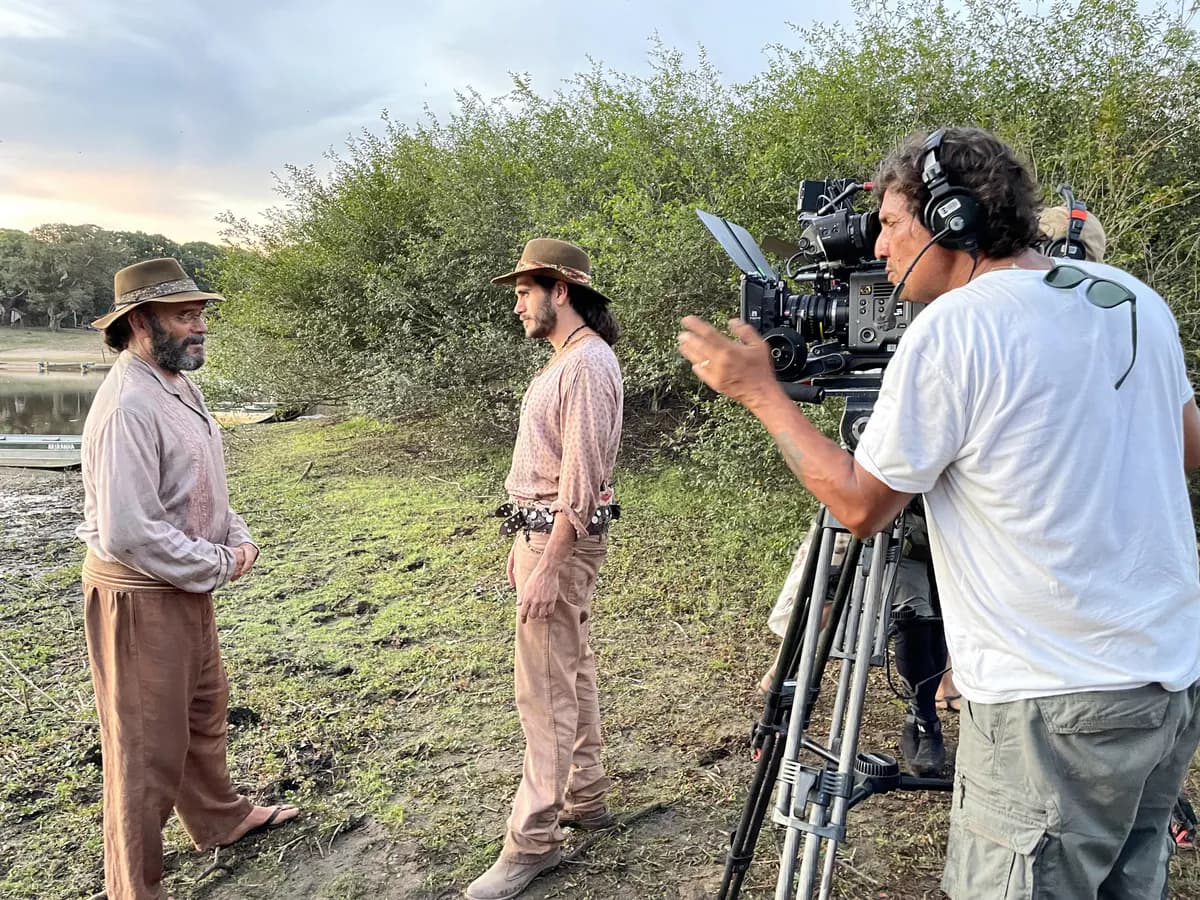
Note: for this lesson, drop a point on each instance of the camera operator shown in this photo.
(1066, 232)
(1069, 232)
(1042, 411)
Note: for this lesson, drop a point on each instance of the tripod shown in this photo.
(812, 800)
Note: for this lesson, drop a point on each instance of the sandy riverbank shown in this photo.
(21, 349)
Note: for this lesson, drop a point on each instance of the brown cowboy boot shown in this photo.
(507, 877)
(596, 820)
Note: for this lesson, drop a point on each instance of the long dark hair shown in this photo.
(594, 312)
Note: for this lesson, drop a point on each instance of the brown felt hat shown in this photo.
(153, 281)
(558, 259)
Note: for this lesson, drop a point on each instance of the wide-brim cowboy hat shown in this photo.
(558, 259)
(153, 281)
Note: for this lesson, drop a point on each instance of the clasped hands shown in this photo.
(244, 557)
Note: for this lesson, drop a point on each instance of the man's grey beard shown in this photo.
(545, 320)
(173, 355)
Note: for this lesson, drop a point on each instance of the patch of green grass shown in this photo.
(370, 658)
(23, 337)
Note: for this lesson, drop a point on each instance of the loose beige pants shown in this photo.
(162, 695)
(555, 680)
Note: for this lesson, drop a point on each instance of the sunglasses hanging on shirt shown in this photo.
(1103, 293)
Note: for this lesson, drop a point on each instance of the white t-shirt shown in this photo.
(1059, 519)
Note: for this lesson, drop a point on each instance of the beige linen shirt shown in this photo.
(569, 433)
(155, 497)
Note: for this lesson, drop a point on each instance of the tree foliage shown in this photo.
(58, 271)
(371, 285)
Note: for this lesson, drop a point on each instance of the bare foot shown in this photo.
(260, 818)
(948, 698)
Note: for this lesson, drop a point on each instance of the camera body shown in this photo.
(838, 334)
(841, 325)
(846, 319)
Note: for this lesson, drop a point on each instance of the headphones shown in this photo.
(1070, 245)
(952, 213)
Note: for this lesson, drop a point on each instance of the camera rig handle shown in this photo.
(804, 393)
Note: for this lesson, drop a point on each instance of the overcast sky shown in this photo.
(157, 116)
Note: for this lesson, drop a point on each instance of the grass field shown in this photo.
(370, 660)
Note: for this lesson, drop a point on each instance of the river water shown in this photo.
(50, 403)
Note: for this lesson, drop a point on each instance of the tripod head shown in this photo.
(860, 389)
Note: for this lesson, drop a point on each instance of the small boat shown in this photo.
(246, 414)
(84, 368)
(40, 451)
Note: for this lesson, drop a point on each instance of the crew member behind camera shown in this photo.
(1046, 434)
(1065, 232)
(561, 503)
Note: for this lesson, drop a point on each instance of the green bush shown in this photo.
(371, 286)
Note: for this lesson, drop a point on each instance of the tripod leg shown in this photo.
(824, 793)
(874, 619)
(793, 791)
(767, 732)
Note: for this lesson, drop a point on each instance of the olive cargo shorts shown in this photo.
(1069, 797)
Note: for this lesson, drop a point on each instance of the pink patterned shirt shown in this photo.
(155, 497)
(570, 430)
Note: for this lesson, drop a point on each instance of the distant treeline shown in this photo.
(60, 275)
(371, 285)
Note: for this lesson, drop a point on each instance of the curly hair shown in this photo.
(976, 160)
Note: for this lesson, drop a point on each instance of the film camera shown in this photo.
(837, 335)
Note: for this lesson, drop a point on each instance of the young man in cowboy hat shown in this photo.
(160, 539)
(561, 502)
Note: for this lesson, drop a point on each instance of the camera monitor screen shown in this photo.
(741, 247)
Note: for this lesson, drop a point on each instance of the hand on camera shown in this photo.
(741, 369)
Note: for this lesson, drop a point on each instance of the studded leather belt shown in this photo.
(539, 519)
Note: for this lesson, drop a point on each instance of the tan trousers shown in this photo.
(162, 696)
(555, 678)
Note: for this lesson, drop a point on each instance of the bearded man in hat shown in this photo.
(160, 539)
(560, 505)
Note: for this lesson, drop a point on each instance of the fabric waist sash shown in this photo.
(119, 577)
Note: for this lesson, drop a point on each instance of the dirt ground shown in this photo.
(369, 656)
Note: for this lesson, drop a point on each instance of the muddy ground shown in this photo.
(369, 655)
